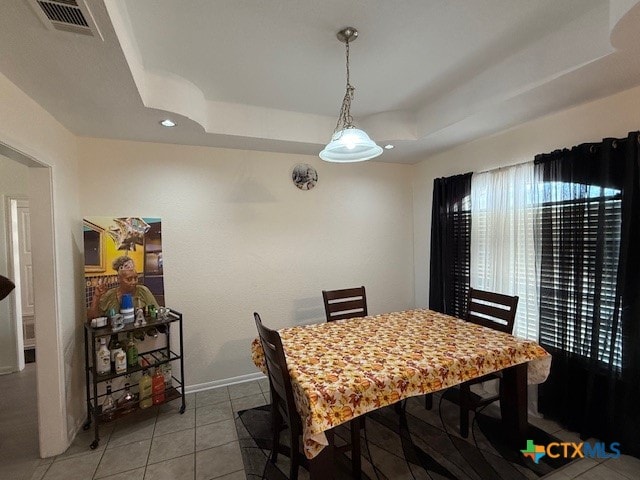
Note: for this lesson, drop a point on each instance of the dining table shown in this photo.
(343, 369)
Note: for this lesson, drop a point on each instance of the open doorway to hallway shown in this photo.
(51, 397)
(39, 388)
(14, 183)
(19, 443)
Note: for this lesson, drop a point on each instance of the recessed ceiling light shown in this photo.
(388, 146)
(168, 123)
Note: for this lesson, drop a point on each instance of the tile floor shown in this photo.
(202, 444)
(161, 444)
(19, 455)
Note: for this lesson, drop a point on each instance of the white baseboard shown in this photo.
(8, 370)
(200, 387)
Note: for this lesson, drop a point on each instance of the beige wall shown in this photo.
(612, 116)
(239, 237)
(25, 127)
(13, 182)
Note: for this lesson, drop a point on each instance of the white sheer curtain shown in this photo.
(503, 256)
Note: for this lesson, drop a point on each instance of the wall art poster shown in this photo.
(304, 176)
(122, 255)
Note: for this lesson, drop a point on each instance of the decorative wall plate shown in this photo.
(304, 176)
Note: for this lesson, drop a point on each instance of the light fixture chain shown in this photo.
(348, 72)
(345, 120)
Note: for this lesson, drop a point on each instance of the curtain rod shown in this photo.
(505, 166)
(592, 146)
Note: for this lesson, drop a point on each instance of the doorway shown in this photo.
(14, 184)
(19, 417)
(50, 407)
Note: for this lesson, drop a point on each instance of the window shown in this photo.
(580, 243)
(460, 221)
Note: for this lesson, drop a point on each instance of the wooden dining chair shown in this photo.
(342, 304)
(492, 310)
(345, 303)
(283, 407)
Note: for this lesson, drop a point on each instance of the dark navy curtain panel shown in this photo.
(588, 241)
(450, 245)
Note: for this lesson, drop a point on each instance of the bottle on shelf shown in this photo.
(114, 344)
(120, 360)
(157, 386)
(139, 335)
(132, 352)
(145, 389)
(103, 358)
(128, 400)
(108, 405)
(152, 332)
(167, 376)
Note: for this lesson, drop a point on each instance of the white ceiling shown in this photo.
(270, 75)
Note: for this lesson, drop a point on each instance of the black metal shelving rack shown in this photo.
(154, 358)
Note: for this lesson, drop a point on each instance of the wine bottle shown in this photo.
(128, 400)
(114, 344)
(152, 332)
(132, 352)
(139, 335)
(167, 376)
(108, 405)
(145, 389)
(158, 386)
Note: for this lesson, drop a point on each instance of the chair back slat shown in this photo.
(279, 379)
(345, 303)
(344, 293)
(493, 310)
(276, 375)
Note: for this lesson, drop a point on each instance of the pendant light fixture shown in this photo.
(348, 143)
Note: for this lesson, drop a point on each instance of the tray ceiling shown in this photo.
(429, 74)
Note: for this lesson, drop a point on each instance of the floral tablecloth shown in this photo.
(340, 370)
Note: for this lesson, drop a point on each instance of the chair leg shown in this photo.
(356, 464)
(465, 393)
(428, 401)
(276, 425)
(293, 470)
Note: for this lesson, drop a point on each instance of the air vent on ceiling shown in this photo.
(67, 16)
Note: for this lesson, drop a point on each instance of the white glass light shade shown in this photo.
(350, 145)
